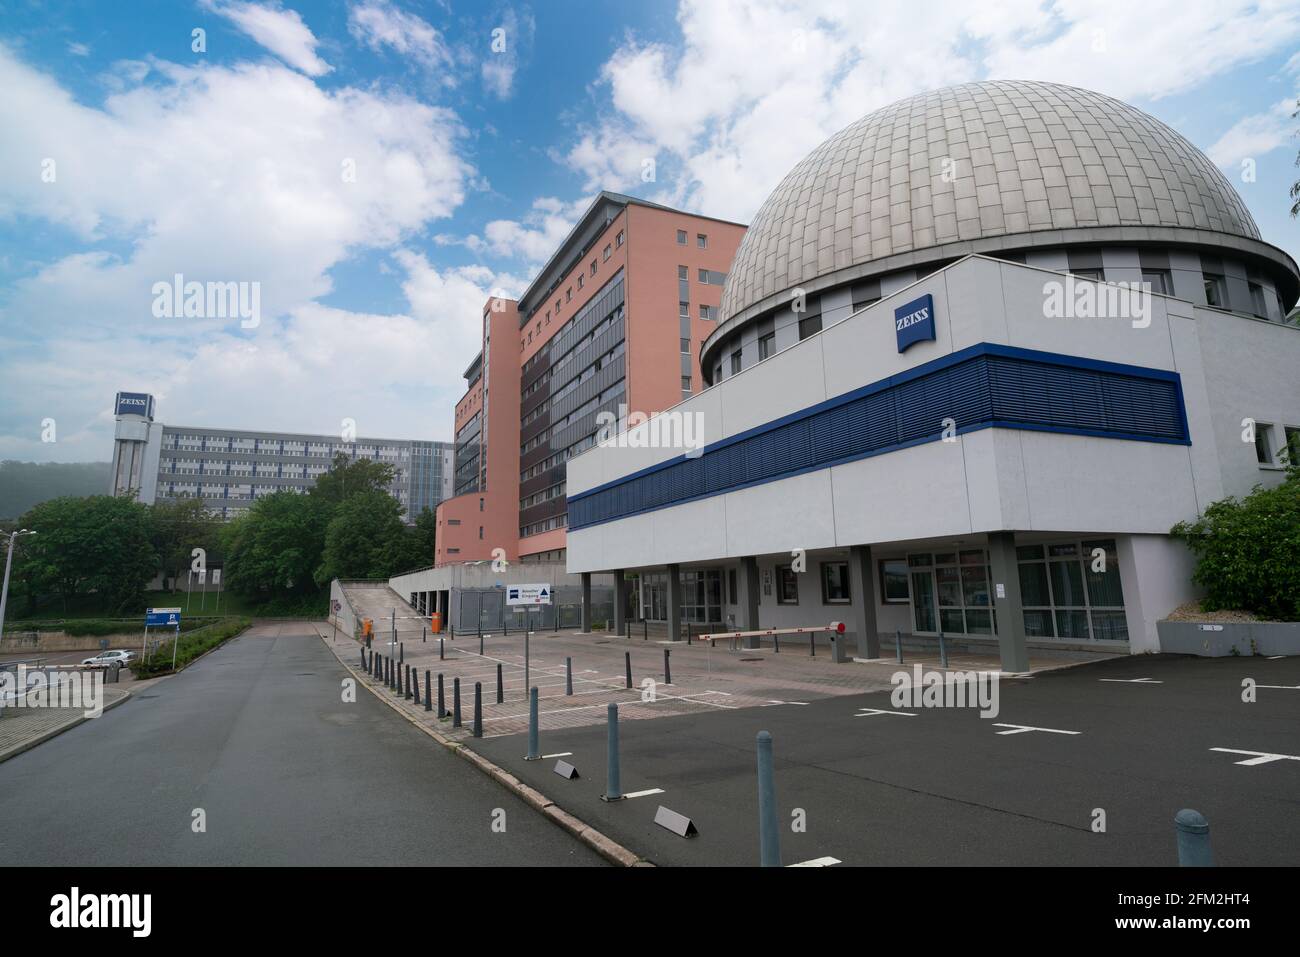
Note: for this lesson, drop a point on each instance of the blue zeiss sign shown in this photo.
(134, 403)
(914, 322)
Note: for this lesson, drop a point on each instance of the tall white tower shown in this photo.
(136, 446)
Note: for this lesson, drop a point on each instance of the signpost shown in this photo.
(161, 618)
(528, 596)
(216, 580)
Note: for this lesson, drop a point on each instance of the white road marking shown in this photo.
(647, 793)
(1280, 687)
(1260, 757)
(818, 862)
(1275, 657)
(868, 712)
(1021, 728)
(1132, 681)
(558, 754)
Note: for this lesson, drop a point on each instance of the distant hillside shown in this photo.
(24, 484)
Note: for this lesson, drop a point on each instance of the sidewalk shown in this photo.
(24, 728)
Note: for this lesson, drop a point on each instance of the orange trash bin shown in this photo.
(435, 622)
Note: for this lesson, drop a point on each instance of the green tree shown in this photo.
(99, 544)
(1248, 551)
(1295, 187)
(365, 539)
(425, 534)
(273, 548)
(179, 527)
(347, 477)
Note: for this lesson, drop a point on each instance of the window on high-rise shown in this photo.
(766, 346)
(681, 237)
(702, 241)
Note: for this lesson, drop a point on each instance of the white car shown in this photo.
(109, 658)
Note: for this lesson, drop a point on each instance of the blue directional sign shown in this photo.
(162, 617)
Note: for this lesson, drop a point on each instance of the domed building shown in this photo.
(976, 354)
(1039, 173)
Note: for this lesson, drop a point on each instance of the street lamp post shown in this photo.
(4, 589)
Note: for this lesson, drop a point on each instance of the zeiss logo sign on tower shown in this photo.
(914, 322)
(134, 403)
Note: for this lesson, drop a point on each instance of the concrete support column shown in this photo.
(620, 602)
(674, 603)
(862, 581)
(749, 619)
(1007, 601)
(586, 602)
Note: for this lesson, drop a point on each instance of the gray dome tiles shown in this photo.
(1023, 157)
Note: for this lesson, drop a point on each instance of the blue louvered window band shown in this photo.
(985, 386)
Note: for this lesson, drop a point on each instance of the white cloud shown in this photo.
(233, 173)
(534, 238)
(756, 84)
(379, 24)
(78, 49)
(283, 32)
(1253, 136)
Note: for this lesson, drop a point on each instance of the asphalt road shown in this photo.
(257, 736)
(947, 787)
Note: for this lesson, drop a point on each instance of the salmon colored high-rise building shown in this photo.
(612, 324)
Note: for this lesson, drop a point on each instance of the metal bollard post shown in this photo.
(688, 633)
(424, 633)
(534, 752)
(363, 659)
(627, 666)
(407, 689)
(442, 649)
(812, 644)
(401, 653)
(776, 644)
(568, 676)
(442, 698)
(1193, 839)
(414, 676)
(898, 644)
(455, 702)
(480, 646)
(668, 672)
(428, 699)
(613, 787)
(943, 651)
(501, 691)
(478, 709)
(645, 630)
(769, 837)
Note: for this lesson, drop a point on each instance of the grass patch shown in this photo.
(189, 647)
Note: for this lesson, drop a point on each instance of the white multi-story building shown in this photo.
(977, 354)
(231, 468)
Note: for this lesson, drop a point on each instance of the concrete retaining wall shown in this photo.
(1215, 640)
(16, 641)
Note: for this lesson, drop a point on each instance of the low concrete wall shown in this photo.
(16, 641)
(1215, 640)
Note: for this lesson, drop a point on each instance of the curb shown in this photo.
(605, 846)
(55, 732)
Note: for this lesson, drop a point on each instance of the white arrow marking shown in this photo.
(817, 862)
(1133, 681)
(1021, 728)
(868, 712)
(1260, 757)
(641, 794)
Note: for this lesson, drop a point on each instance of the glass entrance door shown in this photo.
(922, 601)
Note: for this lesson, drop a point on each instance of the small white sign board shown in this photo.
(528, 594)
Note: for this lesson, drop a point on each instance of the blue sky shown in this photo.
(469, 161)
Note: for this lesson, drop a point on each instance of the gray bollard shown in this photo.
(428, 699)
(613, 786)
(401, 653)
(480, 646)
(898, 644)
(812, 644)
(406, 692)
(501, 691)
(627, 666)
(688, 632)
(424, 633)
(478, 709)
(363, 659)
(1193, 839)
(776, 644)
(668, 671)
(645, 630)
(568, 676)
(442, 698)
(769, 837)
(455, 703)
(415, 684)
(943, 651)
(534, 752)
(442, 649)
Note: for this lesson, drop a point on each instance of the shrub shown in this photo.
(1248, 551)
(190, 647)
